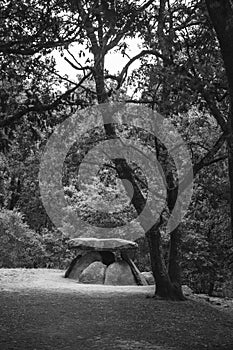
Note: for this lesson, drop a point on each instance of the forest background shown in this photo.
(184, 72)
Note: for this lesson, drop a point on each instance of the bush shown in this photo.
(57, 254)
(205, 260)
(19, 245)
(142, 255)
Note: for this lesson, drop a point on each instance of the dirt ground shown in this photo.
(53, 280)
(41, 310)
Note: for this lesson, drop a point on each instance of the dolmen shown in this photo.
(104, 261)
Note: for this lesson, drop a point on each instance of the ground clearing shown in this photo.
(40, 310)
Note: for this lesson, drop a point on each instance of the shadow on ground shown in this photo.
(45, 320)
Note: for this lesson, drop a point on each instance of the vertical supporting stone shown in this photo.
(140, 279)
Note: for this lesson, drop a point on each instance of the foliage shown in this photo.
(19, 177)
(20, 246)
(142, 255)
(206, 245)
(57, 254)
(23, 247)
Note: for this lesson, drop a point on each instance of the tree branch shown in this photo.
(41, 108)
(121, 77)
(75, 67)
(215, 111)
(146, 5)
(208, 158)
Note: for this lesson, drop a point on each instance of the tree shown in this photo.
(180, 76)
(102, 26)
(103, 36)
(190, 69)
(221, 15)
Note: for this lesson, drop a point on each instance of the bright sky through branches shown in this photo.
(114, 61)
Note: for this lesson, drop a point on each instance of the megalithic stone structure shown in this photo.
(114, 266)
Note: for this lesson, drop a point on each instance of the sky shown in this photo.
(114, 62)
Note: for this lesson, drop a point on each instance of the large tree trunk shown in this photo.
(164, 287)
(230, 172)
(174, 272)
(221, 15)
(102, 95)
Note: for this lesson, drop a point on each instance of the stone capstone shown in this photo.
(105, 244)
(94, 273)
(119, 274)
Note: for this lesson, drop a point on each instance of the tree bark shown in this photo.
(230, 172)
(221, 15)
(165, 288)
(174, 271)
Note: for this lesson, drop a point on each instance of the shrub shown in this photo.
(19, 245)
(57, 254)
